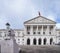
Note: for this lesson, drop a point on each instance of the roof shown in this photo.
(12, 29)
(18, 29)
(38, 17)
(57, 29)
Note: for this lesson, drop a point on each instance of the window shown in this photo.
(59, 32)
(18, 39)
(18, 33)
(28, 32)
(39, 41)
(5, 34)
(18, 42)
(51, 41)
(34, 41)
(38, 32)
(49, 32)
(43, 32)
(0, 34)
(44, 41)
(23, 39)
(28, 41)
(28, 27)
(34, 32)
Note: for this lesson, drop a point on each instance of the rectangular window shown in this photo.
(23, 39)
(59, 32)
(18, 42)
(28, 28)
(5, 34)
(0, 34)
(38, 32)
(28, 32)
(18, 39)
(43, 32)
(18, 34)
(49, 32)
(34, 32)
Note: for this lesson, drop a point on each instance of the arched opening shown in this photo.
(51, 41)
(28, 41)
(34, 41)
(39, 41)
(44, 41)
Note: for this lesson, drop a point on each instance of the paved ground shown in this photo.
(40, 49)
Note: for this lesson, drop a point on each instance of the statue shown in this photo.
(9, 45)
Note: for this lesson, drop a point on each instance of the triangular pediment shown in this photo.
(40, 20)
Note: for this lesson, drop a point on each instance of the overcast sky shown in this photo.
(17, 11)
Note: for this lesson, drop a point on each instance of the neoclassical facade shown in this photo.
(37, 31)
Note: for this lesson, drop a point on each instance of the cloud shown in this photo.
(2, 21)
(58, 25)
(17, 11)
(51, 17)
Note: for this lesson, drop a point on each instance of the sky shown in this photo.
(16, 12)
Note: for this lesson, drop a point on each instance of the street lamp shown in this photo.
(8, 25)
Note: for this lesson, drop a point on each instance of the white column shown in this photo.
(37, 30)
(16, 34)
(3, 35)
(54, 32)
(42, 30)
(47, 32)
(31, 30)
(37, 41)
(48, 41)
(31, 41)
(42, 42)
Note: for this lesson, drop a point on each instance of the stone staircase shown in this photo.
(40, 49)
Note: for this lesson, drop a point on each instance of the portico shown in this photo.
(40, 31)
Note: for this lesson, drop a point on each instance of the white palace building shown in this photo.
(37, 31)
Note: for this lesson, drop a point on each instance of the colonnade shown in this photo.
(49, 30)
